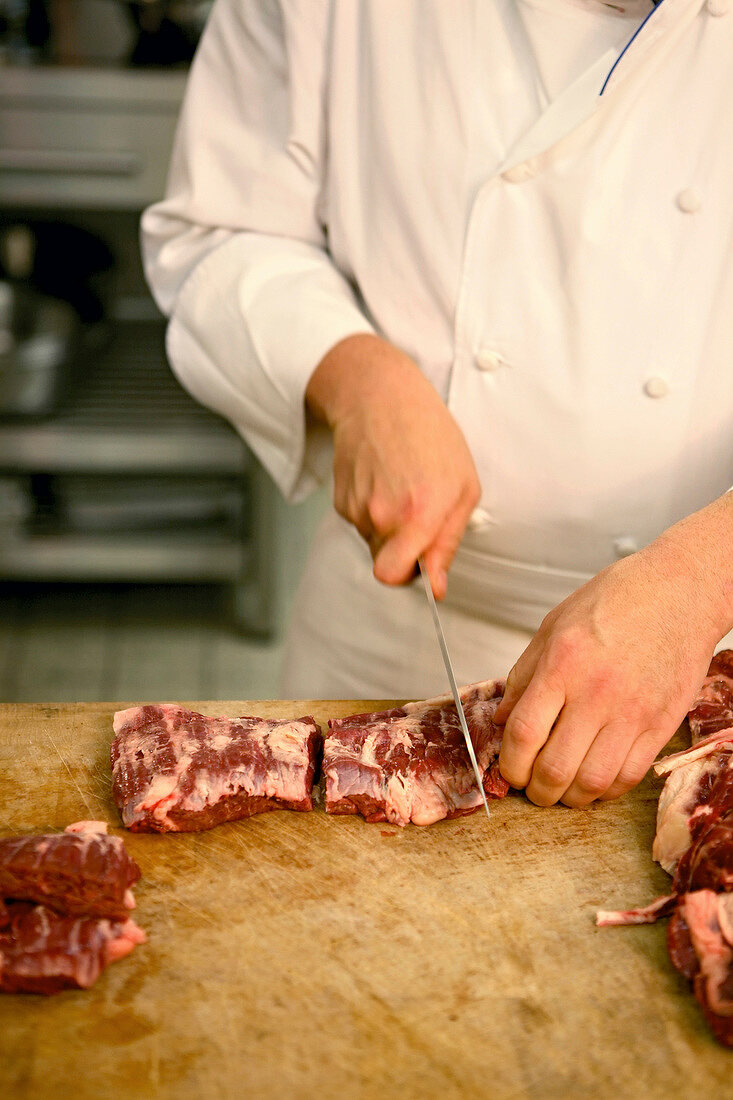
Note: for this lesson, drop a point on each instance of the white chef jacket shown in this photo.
(558, 264)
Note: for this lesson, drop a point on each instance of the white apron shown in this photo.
(351, 637)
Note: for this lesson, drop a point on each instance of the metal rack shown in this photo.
(87, 141)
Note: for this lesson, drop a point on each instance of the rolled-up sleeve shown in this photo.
(236, 253)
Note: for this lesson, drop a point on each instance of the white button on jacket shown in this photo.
(689, 200)
(299, 211)
(656, 387)
(488, 360)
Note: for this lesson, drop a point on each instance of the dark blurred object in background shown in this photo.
(58, 259)
(52, 311)
(167, 30)
(159, 33)
(25, 29)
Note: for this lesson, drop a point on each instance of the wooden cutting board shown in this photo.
(302, 955)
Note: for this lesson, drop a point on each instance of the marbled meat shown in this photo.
(713, 709)
(77, 872)
(700, 945)
(694, 843)
(174, 770)
(65, 900)
(411, 763)
(42, 951)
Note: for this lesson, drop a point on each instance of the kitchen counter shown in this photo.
(303, 955)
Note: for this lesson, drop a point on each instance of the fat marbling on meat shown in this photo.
(42, 951)
(411, 763)
(700, 945)
(174, 770)
(694, 843)
(713, 708)
(78, 872)
(65, 900)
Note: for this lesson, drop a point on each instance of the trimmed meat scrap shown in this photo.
(411, 763)
(82, 873)
(713, 709)
(174, 770)
(42, 951)
(700, 945)
(82, 880)
(694, 843)
(697, 780)
(694, 838)
(644, 914)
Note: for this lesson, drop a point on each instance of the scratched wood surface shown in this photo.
(301, 955)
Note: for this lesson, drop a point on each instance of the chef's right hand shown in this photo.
(403, 473)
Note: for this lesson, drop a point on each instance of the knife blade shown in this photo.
(451, 677)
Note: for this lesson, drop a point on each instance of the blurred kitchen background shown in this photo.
(144, 554)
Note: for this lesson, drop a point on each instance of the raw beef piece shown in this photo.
(713, 709)
(700, 945)
(694, 842)
(708, 862)
(42, 951)
(174, 770)
(411, 763)
(693, 776)
(80, 872)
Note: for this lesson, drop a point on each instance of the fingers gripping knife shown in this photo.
(452, 679)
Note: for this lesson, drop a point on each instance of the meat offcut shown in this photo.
(411, 763)
(65, 900)
(42, 951)
(713, 709)
(79, 872)
(694, 843)
(174, 770)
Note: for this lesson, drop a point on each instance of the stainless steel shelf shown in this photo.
(195, 557)
(146, 91)
(126, 414)
(92, 142)
(82, 137)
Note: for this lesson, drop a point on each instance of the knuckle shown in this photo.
(414, 505)
(555, 772)
(602, 680)
(380, 513)
(631, 774)
(633, 769)
(522, 732)
(566, 646)
(594, 780)
(616, 789)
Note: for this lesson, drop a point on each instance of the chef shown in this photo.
(473, 261)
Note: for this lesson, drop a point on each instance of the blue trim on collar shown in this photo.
(657, 5)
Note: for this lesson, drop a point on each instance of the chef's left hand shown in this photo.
(613, 670)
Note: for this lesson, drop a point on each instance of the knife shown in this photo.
(451, 677)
